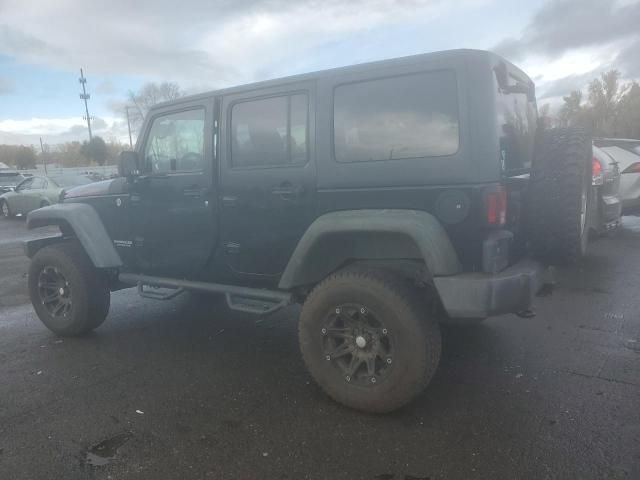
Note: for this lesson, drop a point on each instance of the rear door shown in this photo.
(268, 177)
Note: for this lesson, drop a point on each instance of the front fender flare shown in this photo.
(421, 228)
(86, 225)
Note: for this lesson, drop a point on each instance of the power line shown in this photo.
(85, 96)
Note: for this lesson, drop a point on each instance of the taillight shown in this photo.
(633, 168)
(596, 172)
(496, 206)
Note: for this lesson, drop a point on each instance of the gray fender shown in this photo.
(337, 237)
(86, 225)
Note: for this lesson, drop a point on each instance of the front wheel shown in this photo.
(69, 295)
(367, 341)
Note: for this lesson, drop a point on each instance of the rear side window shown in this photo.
(400, 117)
(269, 131)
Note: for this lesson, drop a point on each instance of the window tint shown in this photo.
(269, 131)
(401, 117)
(175, 143)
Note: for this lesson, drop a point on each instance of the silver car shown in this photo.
(36, 192)
(627, 154)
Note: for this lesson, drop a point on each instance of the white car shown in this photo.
(627, 154)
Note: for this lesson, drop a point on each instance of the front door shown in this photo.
(267, 178)
(173, 202)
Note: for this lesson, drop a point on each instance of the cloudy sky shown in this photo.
(205, 44)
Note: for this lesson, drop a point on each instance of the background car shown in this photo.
(9, 179)
(626, 153)
(36, 192)
(607, 207)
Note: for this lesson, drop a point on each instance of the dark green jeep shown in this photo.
(385, 198)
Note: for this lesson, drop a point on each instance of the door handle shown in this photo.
(193, 191)
(288, 191)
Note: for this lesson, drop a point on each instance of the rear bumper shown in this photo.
(481, 295)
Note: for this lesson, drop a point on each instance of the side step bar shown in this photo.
(244, 299)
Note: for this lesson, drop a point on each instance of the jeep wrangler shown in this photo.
(385, 198)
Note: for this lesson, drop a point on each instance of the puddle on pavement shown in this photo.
(631, 224)
(104, 452)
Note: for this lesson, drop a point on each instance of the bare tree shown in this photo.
(150, 94)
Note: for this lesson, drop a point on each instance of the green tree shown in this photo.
(25, 158)
(95, 150)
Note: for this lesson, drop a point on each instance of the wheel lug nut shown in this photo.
(338, 310)
(384, 331)
(324, 331)
(363, 310)
(373, 379)
(347, 378)
(389, 361)
(328, 357)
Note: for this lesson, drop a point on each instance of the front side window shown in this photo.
(176, 143)
(408, 116)
(269, 131)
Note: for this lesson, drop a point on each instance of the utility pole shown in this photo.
(129, 126)
(85, 96)
(44, 157)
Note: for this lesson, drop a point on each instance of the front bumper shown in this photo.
(481, 295)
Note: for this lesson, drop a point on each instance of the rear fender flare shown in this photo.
(337, 237)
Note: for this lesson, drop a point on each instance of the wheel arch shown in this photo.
(80, 221)
(390, 236)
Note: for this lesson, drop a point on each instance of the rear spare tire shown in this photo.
(560, 195)
(368, 341)
(69, 295)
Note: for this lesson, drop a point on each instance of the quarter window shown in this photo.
(270, 131)
(400, 117)
(176, 143)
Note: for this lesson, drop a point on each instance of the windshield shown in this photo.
(10, 180)
(71, 180)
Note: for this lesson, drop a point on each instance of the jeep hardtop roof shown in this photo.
(458, 55)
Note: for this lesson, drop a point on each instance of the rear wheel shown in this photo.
(366, 339)
(69, 295)
(560, 195)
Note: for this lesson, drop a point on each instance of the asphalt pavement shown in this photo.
(188, 390)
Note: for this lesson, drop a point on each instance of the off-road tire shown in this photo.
(88, 287)
(416, 338)
(560, 173)
(5, 212)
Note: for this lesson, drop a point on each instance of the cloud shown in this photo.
(59, 130)
(105, 87)
(7, 86)
(563, 25)
(200, 43)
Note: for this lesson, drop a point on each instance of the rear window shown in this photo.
(517, 118)
(407, 116)
(10, 179)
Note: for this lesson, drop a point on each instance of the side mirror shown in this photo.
(128, 164)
